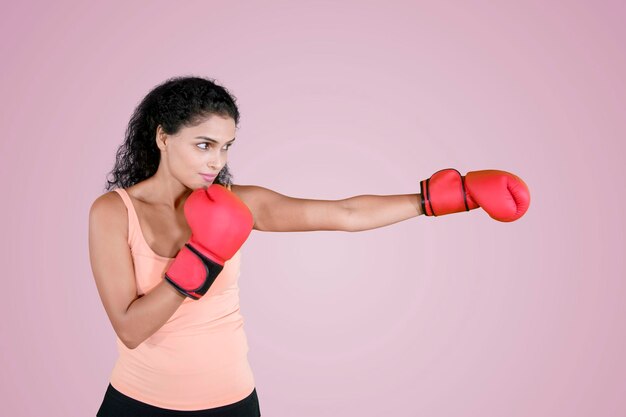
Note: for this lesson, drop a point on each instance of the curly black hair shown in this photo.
(177, 102)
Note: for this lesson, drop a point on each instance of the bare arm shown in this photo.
(372, 211)
(149, 313)
(133, 318)
(275, 212)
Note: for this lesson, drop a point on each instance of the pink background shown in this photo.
(453, 316)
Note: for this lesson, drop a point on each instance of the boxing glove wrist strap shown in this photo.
(192, 273)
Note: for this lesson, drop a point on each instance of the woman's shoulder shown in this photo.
(111, 198)
(115, 198)
(245, 192)
(251, 195)
(109, 205)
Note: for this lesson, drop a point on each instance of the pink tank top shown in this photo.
(199, 358)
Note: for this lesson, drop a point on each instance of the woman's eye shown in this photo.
(227, 146)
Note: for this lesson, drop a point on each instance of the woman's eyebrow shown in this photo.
(213, 140)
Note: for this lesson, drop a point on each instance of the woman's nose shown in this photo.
(215, 161)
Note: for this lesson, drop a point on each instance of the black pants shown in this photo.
(119, 405)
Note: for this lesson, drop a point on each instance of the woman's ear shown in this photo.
(161, 138)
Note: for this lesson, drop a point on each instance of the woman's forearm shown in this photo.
(372, 211)
(150, 312)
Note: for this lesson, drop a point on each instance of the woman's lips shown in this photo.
(208, 178)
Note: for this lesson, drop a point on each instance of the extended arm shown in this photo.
(275, 212)
(372, 211)
(504, 196)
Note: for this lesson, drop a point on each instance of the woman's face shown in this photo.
(201, 149)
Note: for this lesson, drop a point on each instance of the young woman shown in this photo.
(165, 240)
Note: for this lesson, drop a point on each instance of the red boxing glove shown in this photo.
(220, 223)
(504, 196)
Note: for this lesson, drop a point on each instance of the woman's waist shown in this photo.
(187, 352)
(184, 388)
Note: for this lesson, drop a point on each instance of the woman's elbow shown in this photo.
(128, 340)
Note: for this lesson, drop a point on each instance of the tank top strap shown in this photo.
(133, 220)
